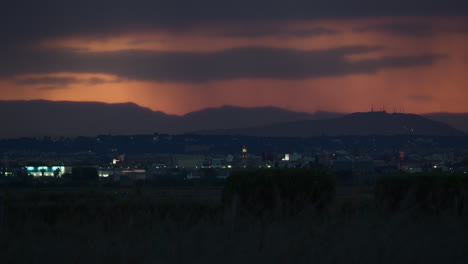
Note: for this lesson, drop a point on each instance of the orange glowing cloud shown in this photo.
(436, 87)
(301, 35)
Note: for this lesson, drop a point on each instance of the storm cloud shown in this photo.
(183, 55)
(27, 20)
(60, 81)
(254, 32)
(192, 67)
(53, 83)
(414, 29)
(23, 23)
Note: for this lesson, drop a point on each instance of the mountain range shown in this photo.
(457, 120)
(50, 118)
(364, 124)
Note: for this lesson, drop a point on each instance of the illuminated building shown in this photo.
(244, 152)
(47, 171)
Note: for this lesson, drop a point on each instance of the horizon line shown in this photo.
(371, 108)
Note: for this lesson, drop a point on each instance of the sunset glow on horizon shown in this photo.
(415, 64)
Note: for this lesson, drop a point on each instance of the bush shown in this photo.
(101, 209)
(84, 175)
(430, 192)
(284, 191)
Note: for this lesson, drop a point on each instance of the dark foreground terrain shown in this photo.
(193, 226)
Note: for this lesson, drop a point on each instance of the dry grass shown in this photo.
(95, 228)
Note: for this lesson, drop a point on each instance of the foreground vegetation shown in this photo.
(137, 226)
(430, 192)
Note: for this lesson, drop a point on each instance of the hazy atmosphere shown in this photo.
(248, 131)
(182, 56)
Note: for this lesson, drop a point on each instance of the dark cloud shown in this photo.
(22, 21)
(254, 32)
(54, 83)
(414, 29)
(138, 42)
(246, 62)
(96, 81)
(59, 81)
(421, 98)
(404, 29)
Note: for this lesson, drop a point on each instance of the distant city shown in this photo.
(357, 147)
(185, 159)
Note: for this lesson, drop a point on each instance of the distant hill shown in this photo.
(46, 118)
(49, 118)
(228, 117)
(372, 123)
(458, 121)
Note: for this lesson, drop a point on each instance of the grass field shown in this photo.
(190, 225)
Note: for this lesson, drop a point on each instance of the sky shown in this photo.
(182, 56)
